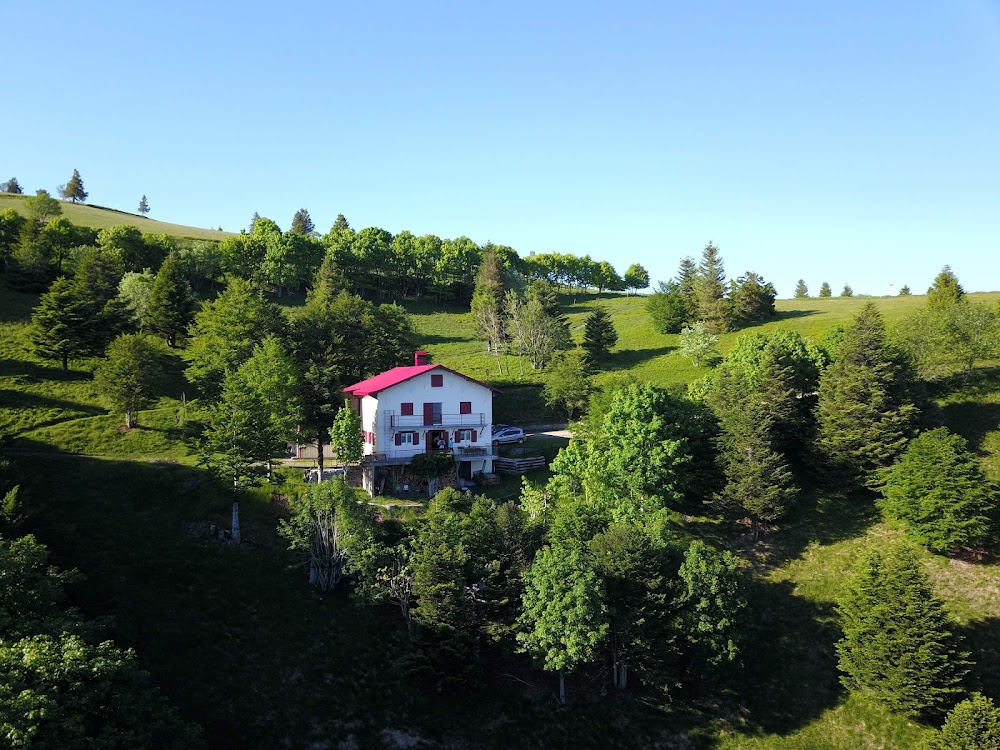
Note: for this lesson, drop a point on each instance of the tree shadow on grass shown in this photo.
(20, 401)
(790, 671)
(21, 369)
(427, 339)
(973, 420)
(626, 359)
(982, 639)
(787, 315)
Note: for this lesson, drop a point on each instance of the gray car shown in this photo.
(508, 435)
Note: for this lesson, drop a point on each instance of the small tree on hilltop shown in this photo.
(41, 207)
(143, 205)
(801, 290)
(699, 344)
(974, 724)
(73, 190)
(599, 334)
(945, 291)
(302, 223)
(636, 277)
(131, 376)
(904, 291)
(898, 646)
(12, 186)
(940, 491)
(825, 290)
(847, 291)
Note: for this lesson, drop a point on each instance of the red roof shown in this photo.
(397, 375)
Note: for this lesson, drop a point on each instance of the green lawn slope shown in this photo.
(100, 217)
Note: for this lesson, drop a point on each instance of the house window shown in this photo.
(406, 438)
(465, 407)
(369, 438)
(406, 410)
(437, 381)
(432, 413)
(463, 436)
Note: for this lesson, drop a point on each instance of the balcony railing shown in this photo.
(438, 420)
(460, 452)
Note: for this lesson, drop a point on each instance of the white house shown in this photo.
(422, 408)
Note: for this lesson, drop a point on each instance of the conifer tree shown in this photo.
(825, 290)
(74, 189)
(940, 491)
(171, 301)
(945, 291)
(974, 724)
(710, 290)
(302, 223)
(12, 186)
(904, 291)
(687, 272)
(668, 307)
(847, 291)
(866, 402)
(599, 334)
(60, 323)
(801, 290)
(898, 645)
(143, 205)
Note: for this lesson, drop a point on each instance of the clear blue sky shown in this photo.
(852, 142)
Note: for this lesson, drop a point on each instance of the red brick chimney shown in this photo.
(421, 357)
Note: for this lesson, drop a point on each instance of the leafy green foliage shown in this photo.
(668, 307)
(42, 207)
(345, 436)
(330, 527)
(945, 291)
(699, 344)
(938, 489)
(564, 616)
(567, 384)
(973, 724)
(898, 645)
(11, 186)
(751, 299)
(636, 277)
(131, 377)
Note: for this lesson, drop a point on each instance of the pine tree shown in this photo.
(143, 205)
(904, 291)
(974, 724)
(847, 291)
(898, 644)
(668, 308)
(340, 224)
(866, 402)
(302, 223)
(825, 290)
(687, 272)
(940, 491)
(801, 290)
(171, 301)
(751, 298)
(12, 186)
(710, 289)
(599, 334)
(945, 291)
(60, 323)
(74, 189)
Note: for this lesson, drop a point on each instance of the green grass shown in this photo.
(100, 217)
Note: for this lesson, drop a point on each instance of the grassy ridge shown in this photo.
(100, 217)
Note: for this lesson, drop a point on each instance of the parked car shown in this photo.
(312, 475)
(508, 435)
(498, 427)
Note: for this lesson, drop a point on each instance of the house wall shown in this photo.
(369, 415)
(419, 391)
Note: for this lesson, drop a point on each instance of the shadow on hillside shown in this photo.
(973, 420)
(425, 339)
(21, 400)
(790, 669)
(824, 518)
(982, 639)
(21, 369)
(626, 359)
(788, 315)
(981, 382)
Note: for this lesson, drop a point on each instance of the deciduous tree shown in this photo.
(12, 186)
(568, 383)
(42, 207)
(131, 377)
(699, 344)
(636, 277)
(345, 436)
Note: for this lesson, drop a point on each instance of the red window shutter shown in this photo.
(406, 410)
(465, 407)
(428, 413)
(437, 381)
(473, 436)
(399, 438)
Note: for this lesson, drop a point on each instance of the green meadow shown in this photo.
(242, 646)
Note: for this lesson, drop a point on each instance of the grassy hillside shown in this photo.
(266, 658)
(100, 217)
